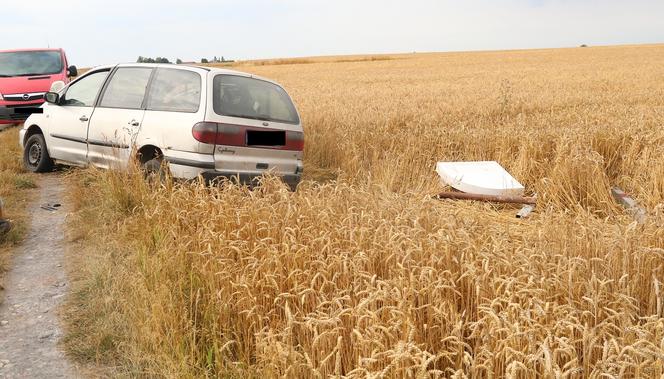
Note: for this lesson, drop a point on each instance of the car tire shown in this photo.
(154, 170)
(35, 154)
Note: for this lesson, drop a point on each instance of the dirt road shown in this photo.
(34, 287)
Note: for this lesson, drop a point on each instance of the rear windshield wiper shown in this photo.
(5, 76)
(271, 119)
(247, 116)
(260, 118)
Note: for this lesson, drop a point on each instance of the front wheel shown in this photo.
(35, 155)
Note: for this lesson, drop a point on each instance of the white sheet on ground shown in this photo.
(481, 178)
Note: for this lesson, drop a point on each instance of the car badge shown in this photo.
(26, 96)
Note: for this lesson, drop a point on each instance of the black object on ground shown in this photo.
(50, 207)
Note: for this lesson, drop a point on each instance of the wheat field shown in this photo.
(361, 273)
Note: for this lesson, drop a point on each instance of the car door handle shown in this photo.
(84, 118)
(134, 123)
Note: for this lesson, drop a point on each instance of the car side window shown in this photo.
(175, 90)
(83, 92)
(126, 88)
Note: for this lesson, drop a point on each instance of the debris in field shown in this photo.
(630, 204)
(50, 207)
(525, 211)
(479, 178)
(47, 334)
(491, 198)
(483, 181)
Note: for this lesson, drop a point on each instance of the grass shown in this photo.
(360, 272)
(13, 185)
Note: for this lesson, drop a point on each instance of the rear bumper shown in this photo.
(186, 165)
(292, 180)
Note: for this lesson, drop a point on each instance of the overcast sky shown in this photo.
(95, 32)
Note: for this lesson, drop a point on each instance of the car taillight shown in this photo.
(237, 135)
(231, 135)
(294, 141)
(205, 132)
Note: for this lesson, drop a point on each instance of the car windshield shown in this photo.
(239, 96)
(27, 63)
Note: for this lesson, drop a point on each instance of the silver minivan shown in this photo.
(197, 120)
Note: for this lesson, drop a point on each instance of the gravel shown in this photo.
(34, 288)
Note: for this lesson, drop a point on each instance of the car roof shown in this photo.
(101, 67)
(182, 66)
(201, 69)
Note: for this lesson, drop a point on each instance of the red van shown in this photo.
(25, 75)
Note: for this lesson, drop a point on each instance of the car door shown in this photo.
(68, 120)
(117, 119)
(173, 107)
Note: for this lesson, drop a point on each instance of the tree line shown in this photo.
(142, 59)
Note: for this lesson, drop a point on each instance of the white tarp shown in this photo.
(481, 178)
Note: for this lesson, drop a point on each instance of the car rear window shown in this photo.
(175, 90)
(126, 88)
(239, 96)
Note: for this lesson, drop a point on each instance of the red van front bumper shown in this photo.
(14, 112)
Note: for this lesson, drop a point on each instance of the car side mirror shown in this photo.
(57, 86)
(52, 97)
(72, 71)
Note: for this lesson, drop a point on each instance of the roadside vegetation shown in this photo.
(13, 185)
(360, 272)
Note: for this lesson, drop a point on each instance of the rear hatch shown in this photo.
(255, 125)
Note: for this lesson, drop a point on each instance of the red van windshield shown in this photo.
(28, 63)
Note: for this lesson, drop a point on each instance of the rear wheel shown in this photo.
(35, 155)
(154, 170)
